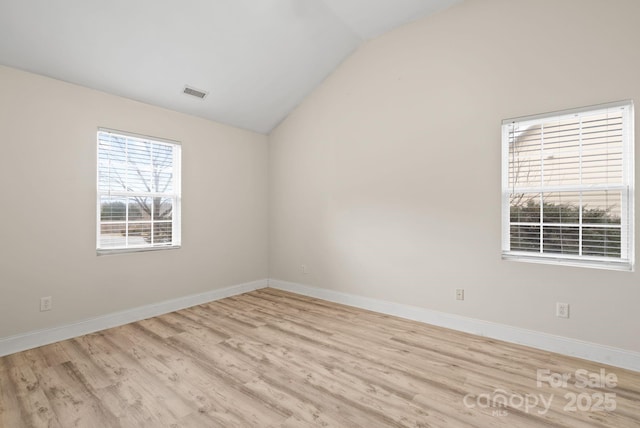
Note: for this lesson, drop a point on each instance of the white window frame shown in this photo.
(175, 195)
(626, 259)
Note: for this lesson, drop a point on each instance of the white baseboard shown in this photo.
(548, 342)
(535, 339)
(33, 339)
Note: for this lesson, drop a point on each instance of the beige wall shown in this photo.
(47, 217)
(386, 180)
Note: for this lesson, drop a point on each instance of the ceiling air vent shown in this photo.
(194, 92)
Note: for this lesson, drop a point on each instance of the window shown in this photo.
(567, 187)
(138, 193)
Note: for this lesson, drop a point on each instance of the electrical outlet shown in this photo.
(305, 269)
(562, 310)
(459, 294)
(46, 303)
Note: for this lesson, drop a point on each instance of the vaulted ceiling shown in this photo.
(256, 59)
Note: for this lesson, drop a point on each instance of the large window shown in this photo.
(138, 193)
(567, 187)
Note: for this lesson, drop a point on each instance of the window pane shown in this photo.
(162, 208)
(561, 207)
(601, 241)
(562, 240)
(601, 207)
(139, 208)
(525, 238)
(113, 209)
(113, 235)
(139, 234)
(525, 207)
(162, 233)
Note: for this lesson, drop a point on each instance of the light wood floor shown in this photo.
(274, 359)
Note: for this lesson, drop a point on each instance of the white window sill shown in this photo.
(111, 251)
(593, 263)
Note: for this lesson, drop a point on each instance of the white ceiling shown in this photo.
(257, 59)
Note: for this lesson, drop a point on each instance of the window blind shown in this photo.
(568, 187)
(138, 192)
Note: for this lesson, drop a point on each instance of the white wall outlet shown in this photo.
(305, 269)
(459, 294)
(562, 310)
(46, 303)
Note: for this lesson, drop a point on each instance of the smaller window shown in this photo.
(567, 187)
(138, 193)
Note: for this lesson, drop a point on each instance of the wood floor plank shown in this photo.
(72, 400)
(375, 390)
(271, 358)
(29, 397)
(214, 376)
(11, 413)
